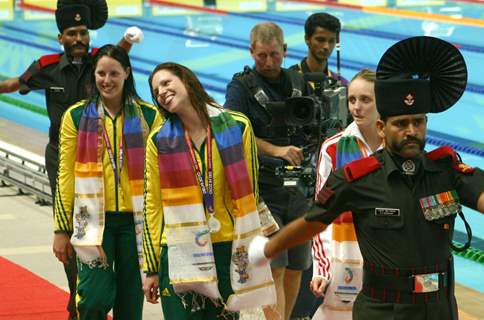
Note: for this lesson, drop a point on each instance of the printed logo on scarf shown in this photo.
(82, 218)
(241, 259)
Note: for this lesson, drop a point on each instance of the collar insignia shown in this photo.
(408, 167)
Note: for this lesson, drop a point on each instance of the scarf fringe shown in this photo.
(198, 302)
(98, 260)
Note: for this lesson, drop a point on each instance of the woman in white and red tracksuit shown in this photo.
(337, 261)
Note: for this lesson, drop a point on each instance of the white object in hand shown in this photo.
(133, 34)
(256, 250)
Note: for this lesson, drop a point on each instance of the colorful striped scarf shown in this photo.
(191, 261)
(344, 250)
(89, 213)
(348, 149)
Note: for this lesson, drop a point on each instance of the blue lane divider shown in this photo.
(398, 37)
(300, 22)
(459, 144)
(349, 64)
(28, 43)
(142, 23)
(50, 49)
(206, 86)
(366, 32)
(434, 138)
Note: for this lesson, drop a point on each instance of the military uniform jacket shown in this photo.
(63, 82)
(388, 213)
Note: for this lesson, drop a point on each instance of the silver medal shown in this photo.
(213, 224)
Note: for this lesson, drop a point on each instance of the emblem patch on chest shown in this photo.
(387, 212)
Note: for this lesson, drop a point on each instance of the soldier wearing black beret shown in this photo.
(404, 200)
(65, 77)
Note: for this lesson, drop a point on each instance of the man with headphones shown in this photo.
(249, 92)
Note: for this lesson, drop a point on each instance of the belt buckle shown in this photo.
(428, 282)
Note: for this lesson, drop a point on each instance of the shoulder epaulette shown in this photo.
(49, 59)
(446, 151)
(464, 168)
(360, 168)
(441, 153)
(93, 52)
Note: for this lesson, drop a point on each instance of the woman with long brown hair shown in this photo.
(200, 214)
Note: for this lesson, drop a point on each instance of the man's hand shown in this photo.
(318, 286)
(291, 154)
(133, 35)
(256, 251)
(9, 85)
(151, 288)
(62, 247)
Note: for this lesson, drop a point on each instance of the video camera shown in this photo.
(332, 100)
(318, 116)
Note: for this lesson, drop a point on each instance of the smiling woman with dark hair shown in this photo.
(201, 190)
(99, 198)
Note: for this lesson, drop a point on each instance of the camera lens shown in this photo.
(301, 110)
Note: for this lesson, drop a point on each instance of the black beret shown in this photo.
(419, 75)
(91, 13)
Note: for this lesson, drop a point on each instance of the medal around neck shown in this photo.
(213, 224)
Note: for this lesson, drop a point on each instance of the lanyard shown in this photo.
(111, 153)
(207, 192)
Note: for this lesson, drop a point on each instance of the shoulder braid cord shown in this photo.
(466, 245)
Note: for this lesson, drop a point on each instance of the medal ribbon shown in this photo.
(206, 191)
(112, 158)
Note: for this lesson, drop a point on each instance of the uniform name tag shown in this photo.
(57, 89)
(387, 212)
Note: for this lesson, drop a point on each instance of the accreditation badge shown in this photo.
(440, 205)
(426, 282)
(346, 282)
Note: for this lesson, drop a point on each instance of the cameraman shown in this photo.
(321, 33)
(249, 92)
